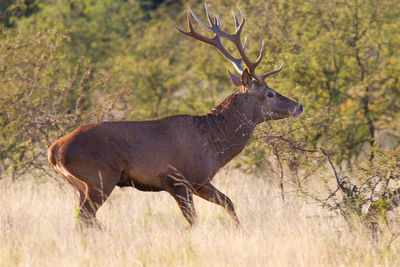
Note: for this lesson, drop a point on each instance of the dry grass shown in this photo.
(37, 228)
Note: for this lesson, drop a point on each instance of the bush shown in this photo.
(42, 96)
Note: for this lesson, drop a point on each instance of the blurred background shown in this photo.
(316, 190)
(64, 63)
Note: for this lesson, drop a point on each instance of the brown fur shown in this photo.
(179, 154)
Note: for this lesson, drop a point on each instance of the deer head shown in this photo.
(266, 103)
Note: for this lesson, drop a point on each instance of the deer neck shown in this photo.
(227, 128)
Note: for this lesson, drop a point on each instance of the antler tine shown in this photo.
(199, 21)
(265, 75)
(236, 20)
(209, 16)
(261, 55)
(215, 41)
(235, 38)
(215, 27)
(189, 19)
(217, 20)
(189, 25)
(240, 27)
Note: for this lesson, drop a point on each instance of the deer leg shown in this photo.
(91, 203)
(85, 212)
(93, 190)
(210, 193)
(184, 198)
(87, 209)
(181, 190)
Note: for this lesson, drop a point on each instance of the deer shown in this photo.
(179, 154)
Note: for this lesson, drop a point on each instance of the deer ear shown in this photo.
(235, 79)
(245, 80)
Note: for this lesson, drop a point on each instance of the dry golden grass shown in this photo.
(37, 228)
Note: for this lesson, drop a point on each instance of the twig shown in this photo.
(281, 173)
(340, 184)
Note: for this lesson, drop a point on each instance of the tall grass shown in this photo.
(37, 228)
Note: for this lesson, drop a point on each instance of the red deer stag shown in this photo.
(179, 154)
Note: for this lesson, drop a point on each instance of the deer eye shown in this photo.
(270, 94)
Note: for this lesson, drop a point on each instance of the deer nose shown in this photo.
(299, 109)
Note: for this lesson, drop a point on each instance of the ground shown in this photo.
(38, 228)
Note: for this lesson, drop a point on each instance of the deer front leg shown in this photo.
(210, 193)
(181, 190)
(184, 198)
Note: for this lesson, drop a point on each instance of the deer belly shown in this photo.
(127, 179)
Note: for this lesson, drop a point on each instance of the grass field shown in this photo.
(37, 228)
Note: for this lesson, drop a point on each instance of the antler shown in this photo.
(215, 27)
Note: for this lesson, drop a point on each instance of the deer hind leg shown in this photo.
(87, 208)
(93, 189)
(210, 193)
(96, 194)
(182, 191)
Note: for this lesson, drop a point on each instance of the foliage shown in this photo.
(366, 195)
(42, 97)
(12, 10)
(64, 63)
